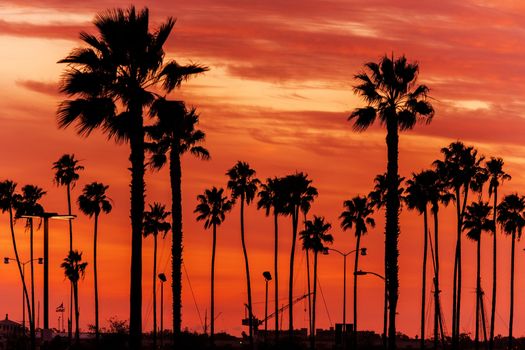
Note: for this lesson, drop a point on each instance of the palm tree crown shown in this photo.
(298, 193)
(212, 207)
(155, 220)
(66, 170)
(242, 182)
(511, 214)
(8, 196)
(379, 194)
(271, 196)
(315, 236)
(494, 168)
(357, 213)
(28, 204)
(74, 268)
(93, 199)
(477, 219)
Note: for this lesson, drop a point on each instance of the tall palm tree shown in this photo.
(461, 170)
(298, 193)
(155, 223)
(66, 174)
(174, 134)
(29, 207)
(511, 217)
(391, 93)
(497, 176)
(74, 270)
(212, 208)
(357, 213)
(271, 199)
(476, 220)
(109, 84)
(9, 200)
(92, 202)
(243, 185)
(314, 236)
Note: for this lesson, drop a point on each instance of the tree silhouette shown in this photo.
(391, 93)
(243, 185)
(357, 213)
(174, 133)
(271, 199)
(92, 202)
(212, 209)
(155, 223)
(314, 236)
(497, 176)
(476, 220)
(511, 217)
(110, 83)
(74, 269)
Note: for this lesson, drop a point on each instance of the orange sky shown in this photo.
(277, 96)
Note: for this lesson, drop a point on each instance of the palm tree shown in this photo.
(92, 202)
(511, 217)
(74, 269)
(297, 196)
(271, 199)
(357, 213)
(243, 184)
(109, 84)
(28, 207)
(212, 208)
(9, 200)
(390, 91)
(476, 221)
(155, 223)
(174, 134)
(461, 171)
(314, 236)
(497, 176)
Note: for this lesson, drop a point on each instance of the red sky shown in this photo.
(277, 95)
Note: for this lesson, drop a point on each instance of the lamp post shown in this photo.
(40, 262)
(267, 278)
(385, 307)
(46, 216)
(363, 252)
(162, 278)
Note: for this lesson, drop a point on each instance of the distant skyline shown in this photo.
(277, 96)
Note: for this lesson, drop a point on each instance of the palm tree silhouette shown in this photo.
(476, 220)
(511, 217)
(390, 92)
(109, 84)
(9, 200)
(357, 213)
(461, 171)
(497, 176)
(174, 134)
(29, 207)
(66, 174)
(297, 196)
(212, 208)
(155, 223)
(271, 199)
(243, 184)
(74, 269)
(92, 202)
(314, 236)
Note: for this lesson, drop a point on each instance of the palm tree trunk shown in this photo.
(459, 273)
(136, 213)
(212, 316)
(276, 273)
(424, 278)
(437, 311)
(247, 267)
(314, 300)
(478, 293)
(68, 191)
(22, 278)
(356, 268)
(494, 272)
(310, 329)
(77, 329)
(455, 282)
(32, 275)
(295, 215)
(97, 332)
(392, 226)
(511, 316)
(176, 243)
(155, 290)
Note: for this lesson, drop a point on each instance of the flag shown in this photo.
(60, 308)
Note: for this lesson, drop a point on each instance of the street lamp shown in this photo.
(267, 278)
(46, 216)
(40, 262)
(363, 252)
(162, 278)
(385, 308)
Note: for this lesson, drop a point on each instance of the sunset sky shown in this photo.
(277, 95)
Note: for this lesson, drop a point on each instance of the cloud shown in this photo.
(46, 88)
